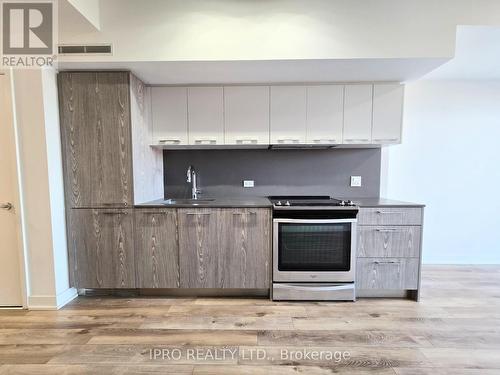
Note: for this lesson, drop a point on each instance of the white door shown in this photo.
(325, 114)
(169, 112)
(10, 270)
(246, 115)
(358, 114)
(206, 115)
(387, 113)
(288, 114)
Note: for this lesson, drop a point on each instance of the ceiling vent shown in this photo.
(96, 49)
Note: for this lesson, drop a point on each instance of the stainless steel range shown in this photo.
(314, 242)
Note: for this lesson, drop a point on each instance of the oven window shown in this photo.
(314, 247)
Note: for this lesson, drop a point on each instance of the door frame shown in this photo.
(7, 74)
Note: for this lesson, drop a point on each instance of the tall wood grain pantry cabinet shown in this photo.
(108, 165)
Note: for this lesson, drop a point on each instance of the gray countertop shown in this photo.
(383, 202)
(216, 202)
(264, 202)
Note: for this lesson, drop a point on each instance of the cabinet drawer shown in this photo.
(387, 241)
(387, 273)
(390, 216)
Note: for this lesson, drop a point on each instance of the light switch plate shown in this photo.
(355, 181)
(248, 183)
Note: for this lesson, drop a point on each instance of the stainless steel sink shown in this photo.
(194, 202)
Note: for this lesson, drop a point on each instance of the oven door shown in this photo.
(314, 250)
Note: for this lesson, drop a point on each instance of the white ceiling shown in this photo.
(477, 55)
(279, 71)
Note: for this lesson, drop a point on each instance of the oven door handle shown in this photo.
(315, 287)
(315, 221)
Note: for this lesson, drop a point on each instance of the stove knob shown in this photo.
(342, 203)
(287, 203)
(278, 203)
(350, 203)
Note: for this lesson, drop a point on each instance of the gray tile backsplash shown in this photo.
(275, 172)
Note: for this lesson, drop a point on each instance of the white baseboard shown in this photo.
(52, 302)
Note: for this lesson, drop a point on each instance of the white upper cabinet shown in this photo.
(387, 113)
(325, 114)
(205, 115)
(288, 114)
(246, 115)
(169, 115)
(358, 106)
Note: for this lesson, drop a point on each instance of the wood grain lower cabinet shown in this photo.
(102, 244)
(388, 241)
(387, 273)
(245, 257)
(224, 248)
(199, 247)
(156, 248)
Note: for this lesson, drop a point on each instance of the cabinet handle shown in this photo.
(114, 204)
(389, 212)
(247, 141)
(205, 141)
(356, 140)
(388, 230)
(386, 139)
(154, 212)
(198, 213)
(324, 141)
(385, 262)
(173, 141)
(290, 140)
(113, 213)
(245, 213)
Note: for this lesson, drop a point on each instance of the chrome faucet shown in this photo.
(191, 178)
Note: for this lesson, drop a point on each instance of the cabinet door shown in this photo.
(246, 115)
(169, 113)
(205, 115)
(198, 248)
(288, 114)
(325, 114)
(388, 241)
(387, 273)
(387, 113)
(78, 118)
(103, 248)
(246, 248)
(111, 168)
(358, 114)
(156, 248)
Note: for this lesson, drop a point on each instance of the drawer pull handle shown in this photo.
(205, 141)
(173, 141)
(389, 212)
(288, 140)
(198, 213)
(357, 140)
(252, 141)
(154, 212)
(386, 140)
(113, 213)
(385, 262)
(324, 140)
(388, 230)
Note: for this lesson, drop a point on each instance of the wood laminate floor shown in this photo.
(454, 330)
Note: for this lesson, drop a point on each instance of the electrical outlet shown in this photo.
(248, 183)
(355, 181)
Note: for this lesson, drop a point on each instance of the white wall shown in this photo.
(450, 161)
(201, 30)
(42, 188)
